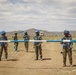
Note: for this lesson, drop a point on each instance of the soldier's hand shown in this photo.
(6, 45)
(61, 52)
(39, 44)
(33, 46)
(69, 48)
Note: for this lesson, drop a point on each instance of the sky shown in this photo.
(50, 15)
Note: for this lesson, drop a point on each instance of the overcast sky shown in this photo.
(50, 15)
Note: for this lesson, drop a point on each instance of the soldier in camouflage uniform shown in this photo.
(37, 45)
(3, 45)
(26, 44)
(67, 48)
(15, 43)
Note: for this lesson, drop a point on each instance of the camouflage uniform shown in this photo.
(3, 46)
(38, 48)
(67, 49)
(16, 43)
(26, 44)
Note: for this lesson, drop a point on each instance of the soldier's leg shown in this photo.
(15, 46)
(70, 56)
(40, 50)
(36, 50)
(64, 57)
(6, 53)
(1, 51)
(0, 54)
(27, 46)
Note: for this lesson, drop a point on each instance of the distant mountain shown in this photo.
(31, 32)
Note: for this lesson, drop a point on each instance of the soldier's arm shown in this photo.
(71, 42)
(17, 37)
(24, 36)
(14, 38)
(64, 38)
(34, 43)
(40, 38)
(6, 42)
(28, 37)
(61, 42)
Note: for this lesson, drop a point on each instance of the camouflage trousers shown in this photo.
(26, 44)
(65, 52)
(16, 46)
(38, 51)
(5, 50)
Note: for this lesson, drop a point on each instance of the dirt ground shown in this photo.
(23, 63)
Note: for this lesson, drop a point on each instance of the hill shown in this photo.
(31, 32)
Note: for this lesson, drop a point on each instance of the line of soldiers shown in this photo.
(26, 44)
(37, 45)
(67, 46)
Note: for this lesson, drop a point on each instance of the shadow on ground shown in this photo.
(46, 58)
(74, 65)
(12, 59)
(31, 51)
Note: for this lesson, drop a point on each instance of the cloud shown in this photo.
(43, 14)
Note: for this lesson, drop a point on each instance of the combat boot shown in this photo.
(26, 50)
(64, 65)
(0, 59)
(36, 58)
(41, 58)
(71, 64)
(6, 57)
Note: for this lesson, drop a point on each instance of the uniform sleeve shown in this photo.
(24, 36)
(34, 42)
(62, 39)
(40, 38)
(70, 38)
(71, 43)
(0, 42)
(14, 38)
(28, 37)
(34, 38)
(17, 37)
(6, 38)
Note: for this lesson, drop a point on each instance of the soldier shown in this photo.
(37, 45)
(67, 48)
(26, 44)
(15, 43)
(3, 45)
